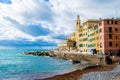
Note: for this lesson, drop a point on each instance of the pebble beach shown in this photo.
(100, 72)
(106, 75)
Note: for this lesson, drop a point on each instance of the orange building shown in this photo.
(109, 36)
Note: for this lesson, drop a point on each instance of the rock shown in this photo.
(108, 60)
(75, 62)
(41, 53)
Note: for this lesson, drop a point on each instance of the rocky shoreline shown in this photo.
(38, 53)
(75, 57)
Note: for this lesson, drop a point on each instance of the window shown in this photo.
(116, 29)
(110, 36)
(116, 45)
(112, 22)
(96, 31)
(83, 24)
(110, 29)
(109, 22)
(100, 30)
(97, 44)
(116, 37)
(100, 45)
(81, 45)
(85, 39)
(80, 35)
(110, 43)
(115, 22)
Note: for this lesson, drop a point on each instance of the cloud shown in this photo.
(32, 29)
(48, 21)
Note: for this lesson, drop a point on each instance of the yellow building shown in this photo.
(87, 35)
(72, 37)
(91, 36)
(63, 45)
(93, 42)
(68, 44)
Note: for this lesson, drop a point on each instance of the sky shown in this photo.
(42, 23)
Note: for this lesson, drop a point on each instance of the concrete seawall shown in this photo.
(93, 59)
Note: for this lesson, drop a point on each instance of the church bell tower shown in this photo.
(78, 23)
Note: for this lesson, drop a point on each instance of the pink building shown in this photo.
(109, 36)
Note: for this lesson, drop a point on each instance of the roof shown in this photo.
(91, 20)
(111, 19)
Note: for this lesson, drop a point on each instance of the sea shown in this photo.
(15, 65)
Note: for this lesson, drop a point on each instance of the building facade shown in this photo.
(99, 36)
(87, 35)
(93, 38)
(109, 36)
(63, 45)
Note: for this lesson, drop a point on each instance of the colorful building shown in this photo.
(63, 45)
(93, 42)
(100, 36)
(68, 44)
(109, 36)
(72, 37)
(86, 35)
